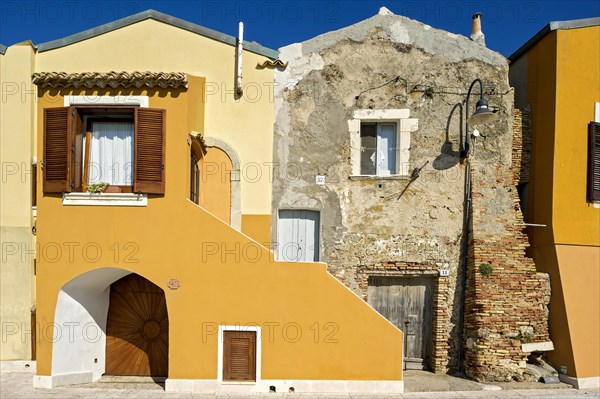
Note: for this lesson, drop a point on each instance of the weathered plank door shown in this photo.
(407, 302)
(298, 236)
(137, 329)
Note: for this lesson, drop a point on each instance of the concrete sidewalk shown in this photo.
(424, 381)
(19, 385)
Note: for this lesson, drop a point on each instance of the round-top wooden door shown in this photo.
(137, 329)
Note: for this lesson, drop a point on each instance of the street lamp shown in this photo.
(482, 115)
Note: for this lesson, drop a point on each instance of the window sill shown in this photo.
(105, 199)
(379, 177)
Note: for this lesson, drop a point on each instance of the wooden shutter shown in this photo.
(239, 356)
(149, 151)
(593, 185)
(59, 149)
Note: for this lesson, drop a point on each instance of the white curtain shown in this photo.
(111, 153)
(386, 149)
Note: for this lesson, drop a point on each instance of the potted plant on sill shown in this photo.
(97, 188)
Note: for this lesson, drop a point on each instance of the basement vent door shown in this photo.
(239, 356)
(298, 236)
(407, 302)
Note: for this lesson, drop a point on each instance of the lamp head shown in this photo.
(482, 114)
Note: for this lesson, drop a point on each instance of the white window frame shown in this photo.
(106, 199)
(221, 339)
(404, 125)
(141, 101)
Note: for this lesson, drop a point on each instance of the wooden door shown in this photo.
(137, 329)
(239, 356)
(298, 236)
(407, 302)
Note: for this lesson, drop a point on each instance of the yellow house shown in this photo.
(17, 209)
(153, 218)
(557, 75)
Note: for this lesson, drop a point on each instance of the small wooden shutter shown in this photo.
(239, 356)
(149, 151)
(58, 149)
(593, 185)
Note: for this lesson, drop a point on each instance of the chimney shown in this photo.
(476, 34)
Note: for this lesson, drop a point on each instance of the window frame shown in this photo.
(63, 148)
(88, 121)
(405, 126)
(593, 163)
(220, 353)
(378, 124)
(194, 178)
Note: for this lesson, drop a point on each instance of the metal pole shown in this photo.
(467, 144)
(465, 261)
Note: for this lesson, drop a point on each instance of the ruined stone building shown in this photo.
(369, 179)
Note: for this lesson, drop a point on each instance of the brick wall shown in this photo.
(508, 307)
(521, 151)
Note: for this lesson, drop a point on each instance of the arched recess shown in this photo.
(215, 187)
(236, 189)
(80, 324)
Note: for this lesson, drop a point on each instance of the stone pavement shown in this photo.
(18, 385)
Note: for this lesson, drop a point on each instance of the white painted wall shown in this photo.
(79, 337)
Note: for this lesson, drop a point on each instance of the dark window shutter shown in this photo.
(239, 356)
(593, 185)
(149, 151)
(58, 150)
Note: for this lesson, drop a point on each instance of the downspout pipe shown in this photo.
(238, 60)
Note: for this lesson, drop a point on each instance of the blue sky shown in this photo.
(275, 23)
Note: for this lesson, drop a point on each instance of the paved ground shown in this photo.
(424, 381)
(18, 385)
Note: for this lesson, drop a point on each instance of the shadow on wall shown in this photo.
(448, 157)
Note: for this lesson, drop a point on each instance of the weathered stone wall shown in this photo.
(370, 226)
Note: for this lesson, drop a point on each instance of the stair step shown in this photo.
(126, 382)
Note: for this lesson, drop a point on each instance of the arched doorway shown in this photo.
(137, 329)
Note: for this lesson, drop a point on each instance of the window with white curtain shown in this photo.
(378, 148)
(110, 153)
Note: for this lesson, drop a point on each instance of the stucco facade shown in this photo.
(208, 260)
(556, 77)
(17, 146)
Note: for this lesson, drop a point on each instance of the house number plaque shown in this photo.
(173, 284)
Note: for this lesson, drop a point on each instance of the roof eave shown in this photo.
(161, 17)
(554, 25)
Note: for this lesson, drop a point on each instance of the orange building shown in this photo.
(556, 74)
(154, 209)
